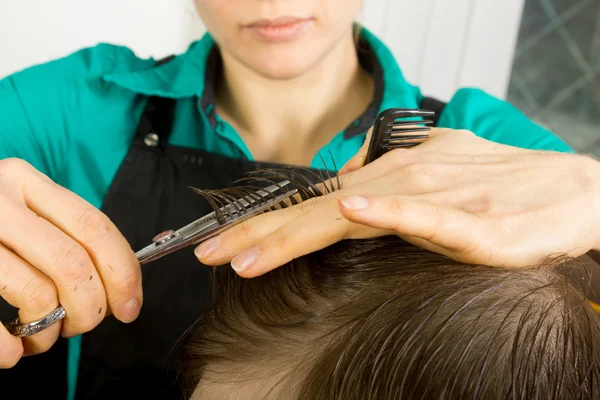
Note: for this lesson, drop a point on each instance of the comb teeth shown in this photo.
(403, 134)
(394, 130)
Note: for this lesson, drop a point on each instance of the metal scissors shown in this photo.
(210, 225)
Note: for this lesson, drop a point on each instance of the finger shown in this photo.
(33, 293)
(108, 250)
(429, 181)
(454, 185)
(359, 158)
(63, 260)
(444, 145)
(465, 237)
(223, 248)
(414, 163)
(314, 230)
(11, 348)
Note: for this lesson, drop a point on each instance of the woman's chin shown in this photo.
(283, 74)
(281, 64)
(283, 69)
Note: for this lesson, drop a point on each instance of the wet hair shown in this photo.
(383, 319)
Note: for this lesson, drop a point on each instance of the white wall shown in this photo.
(441, 44)
(34, 31)
(446, 44)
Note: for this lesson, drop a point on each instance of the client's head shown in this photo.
(382, 319)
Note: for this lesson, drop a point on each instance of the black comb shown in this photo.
(393, 130)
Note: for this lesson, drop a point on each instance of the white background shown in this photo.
(441, 44)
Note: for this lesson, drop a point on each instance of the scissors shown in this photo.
(235, 212)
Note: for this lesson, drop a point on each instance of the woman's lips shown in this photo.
(282, 29)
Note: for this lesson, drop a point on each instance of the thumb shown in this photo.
(358, 161)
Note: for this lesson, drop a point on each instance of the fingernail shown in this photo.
(355, 203)
(130, 310)
(209, 247)
(245, 260)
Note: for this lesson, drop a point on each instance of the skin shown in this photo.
(244, 386)
(287, 100)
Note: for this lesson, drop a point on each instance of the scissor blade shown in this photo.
(247, 202)
(206, 228)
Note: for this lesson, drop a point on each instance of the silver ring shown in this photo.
(15, 327)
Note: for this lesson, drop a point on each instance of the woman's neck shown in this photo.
(288, 121)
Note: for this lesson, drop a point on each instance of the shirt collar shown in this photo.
(184, 76)
(193, 73)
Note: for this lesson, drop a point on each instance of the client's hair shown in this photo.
(382, 319)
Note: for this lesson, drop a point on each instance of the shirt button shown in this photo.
(151, 140)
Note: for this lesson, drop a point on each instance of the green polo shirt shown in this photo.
(74, 118)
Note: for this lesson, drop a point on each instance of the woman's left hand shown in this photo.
(473, 200)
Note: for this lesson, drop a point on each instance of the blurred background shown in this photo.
(556, 71)
(541, 55)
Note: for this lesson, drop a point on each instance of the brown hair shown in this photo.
(382, 319)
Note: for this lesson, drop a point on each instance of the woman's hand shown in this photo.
(55, 248)
(473, 200)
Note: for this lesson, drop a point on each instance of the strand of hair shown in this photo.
(329, 179)
(335, 168)
(212, 201)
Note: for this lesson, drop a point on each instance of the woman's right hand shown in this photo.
(55, 248)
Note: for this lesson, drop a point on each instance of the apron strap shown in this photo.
(156, 122)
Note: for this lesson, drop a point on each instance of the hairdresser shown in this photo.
(98, 151)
